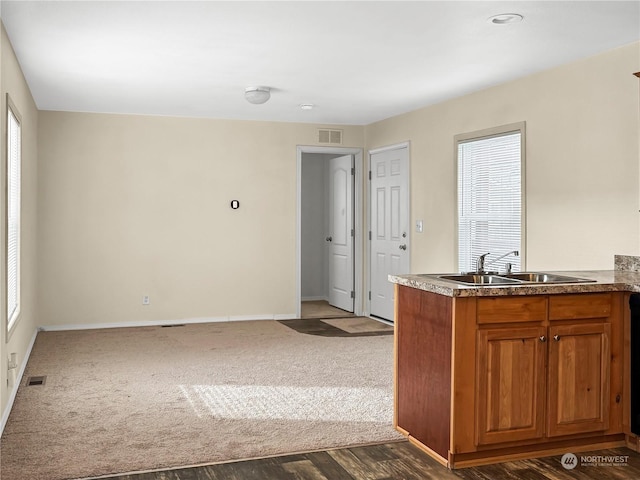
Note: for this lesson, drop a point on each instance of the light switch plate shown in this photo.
(419, 226)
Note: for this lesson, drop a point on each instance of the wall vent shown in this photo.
(330, 137)
(32, 381)
(173, 325)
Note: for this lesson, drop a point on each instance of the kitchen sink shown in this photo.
(511, 278)
(477, 279)
(536, 277)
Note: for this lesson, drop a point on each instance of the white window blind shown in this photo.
(13, 217)
(489, 200)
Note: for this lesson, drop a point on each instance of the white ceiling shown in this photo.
(358, 62)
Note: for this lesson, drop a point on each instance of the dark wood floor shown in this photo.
(392, 461)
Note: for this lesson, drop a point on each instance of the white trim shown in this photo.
(386, 148)
(14, 317)
(381, 320)
(487, 133)
(159, 323)
(315, 299)
(358, 221)
(14, 391)
(285, 316)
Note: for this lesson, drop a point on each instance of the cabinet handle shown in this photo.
(556, 338)
(543, 339)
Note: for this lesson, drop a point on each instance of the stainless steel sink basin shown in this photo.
(511, 279)
(538, 277)
(476, 279)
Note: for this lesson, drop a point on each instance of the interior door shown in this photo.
(340, 237)
(389, 225)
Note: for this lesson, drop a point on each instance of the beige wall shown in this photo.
(135, 205)
(12, 82)
(582, 162)
(139, 205)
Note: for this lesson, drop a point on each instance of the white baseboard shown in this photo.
(381, 320)
(285, 316)
(315, 299)
(14, 390)
(157, 323)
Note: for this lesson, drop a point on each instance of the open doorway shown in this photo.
(329, 251)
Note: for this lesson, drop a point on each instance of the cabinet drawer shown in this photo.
(511, 309)
(581, 305)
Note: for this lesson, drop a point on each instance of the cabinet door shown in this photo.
(579, 376)
(511, 384)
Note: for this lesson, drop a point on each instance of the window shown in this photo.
(13, 213)
(490, 193)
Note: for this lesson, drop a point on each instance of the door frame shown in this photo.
(358, 220)
(373, 151)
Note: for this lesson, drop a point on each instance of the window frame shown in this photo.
(13, 319)
(518, 127)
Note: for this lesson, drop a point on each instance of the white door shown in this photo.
(389, 225)
(340, 235)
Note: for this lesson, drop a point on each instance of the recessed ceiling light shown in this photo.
(505, 18)
(307, 106)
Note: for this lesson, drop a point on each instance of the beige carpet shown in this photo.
(358, 325)
(120, 400)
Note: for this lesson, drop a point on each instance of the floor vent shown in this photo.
(332, 137)
(32, 381)
(175, 325)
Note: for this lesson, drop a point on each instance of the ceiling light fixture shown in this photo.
(257, 95)
(307, 106)
(505, 18)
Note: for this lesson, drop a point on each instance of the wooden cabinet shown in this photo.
(579, 378)
(423, 368)
(510, 371)
(527, 373)
(513, 390)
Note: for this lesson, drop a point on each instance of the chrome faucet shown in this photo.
(480, 263)
(515, 253)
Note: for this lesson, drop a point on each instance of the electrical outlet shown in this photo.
(145, 300)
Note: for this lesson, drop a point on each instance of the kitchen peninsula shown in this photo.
(485, 374)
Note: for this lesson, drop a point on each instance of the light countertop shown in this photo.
(604, 281)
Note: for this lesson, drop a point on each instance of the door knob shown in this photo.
(543, 339)
(556, 338)
(403, 246)
(329, 239)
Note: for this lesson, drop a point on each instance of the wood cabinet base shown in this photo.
(482, 380)
(633, 442)
(500, 455)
